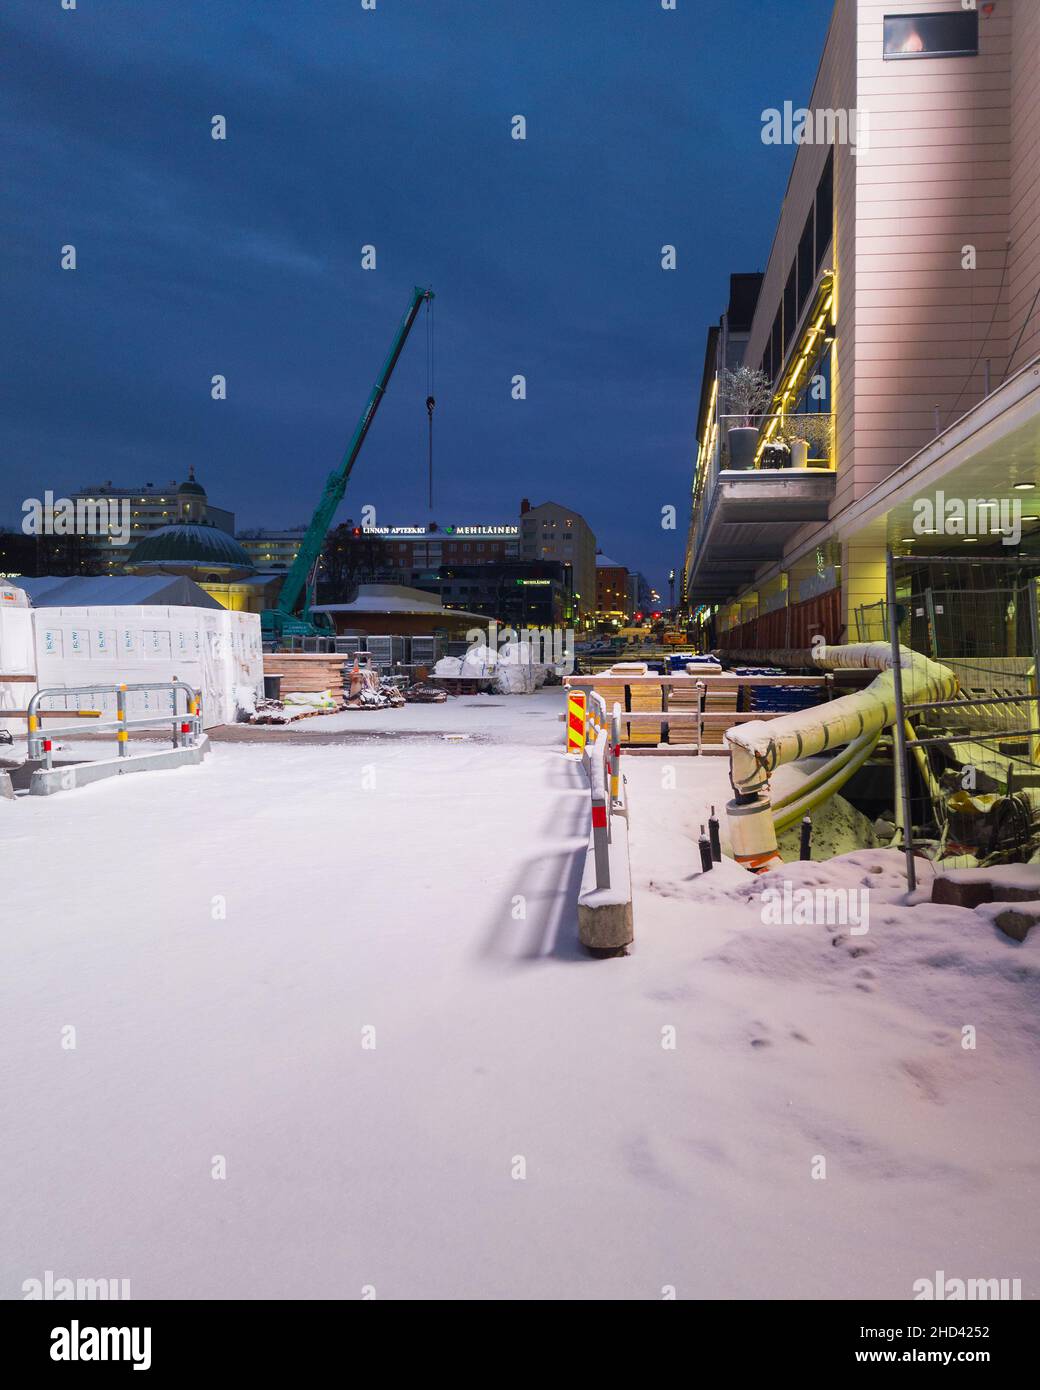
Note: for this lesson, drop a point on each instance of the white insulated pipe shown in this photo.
(760, 746)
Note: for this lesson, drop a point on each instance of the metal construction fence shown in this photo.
(967, 770)
(186, 724)
(596, 736)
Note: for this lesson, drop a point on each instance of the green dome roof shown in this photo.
(191, 486)
(189, 545)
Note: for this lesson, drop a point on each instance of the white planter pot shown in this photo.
(799, 453)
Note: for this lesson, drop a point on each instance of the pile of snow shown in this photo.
(837, 827)
(245, 701)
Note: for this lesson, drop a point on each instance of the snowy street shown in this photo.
(228, 942)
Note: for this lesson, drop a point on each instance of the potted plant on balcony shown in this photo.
(810, 437)
(747, 393)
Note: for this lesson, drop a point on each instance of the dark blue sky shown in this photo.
(392, 127)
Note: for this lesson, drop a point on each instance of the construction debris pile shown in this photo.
(363, 688)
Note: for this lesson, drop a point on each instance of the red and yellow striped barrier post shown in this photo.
(576, 722)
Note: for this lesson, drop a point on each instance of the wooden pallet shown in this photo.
(461, 685)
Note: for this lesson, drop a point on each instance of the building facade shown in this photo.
(271, 549)
(895, 317)
(551, 531)
(612, 596)
(641, 597)
(520, 593)
(150, 507)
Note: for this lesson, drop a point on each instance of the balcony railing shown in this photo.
(769, 444)
(777, 441)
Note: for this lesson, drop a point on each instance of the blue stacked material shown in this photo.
(678, 661)
(776, 699)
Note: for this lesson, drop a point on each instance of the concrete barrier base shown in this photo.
(6, 790)
(45, 782)
(605, 914)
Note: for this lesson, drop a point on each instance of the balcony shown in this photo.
(760, 479)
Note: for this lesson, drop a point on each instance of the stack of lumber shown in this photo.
(306, 672)
(682, 711)
(644, 695)
(721, 699)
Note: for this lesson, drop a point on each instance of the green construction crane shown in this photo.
(291, 614)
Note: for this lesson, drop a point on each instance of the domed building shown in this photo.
(211, 557)
(199, 550)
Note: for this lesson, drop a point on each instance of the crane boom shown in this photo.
(336, 483)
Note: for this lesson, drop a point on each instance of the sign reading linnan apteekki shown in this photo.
(433, 530)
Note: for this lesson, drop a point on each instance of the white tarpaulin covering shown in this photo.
(17, 657)
(214, 650)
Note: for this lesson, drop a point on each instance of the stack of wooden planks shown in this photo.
(307, 672)
(721, 698)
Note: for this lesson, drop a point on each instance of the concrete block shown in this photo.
(65, 777)
(605, 914)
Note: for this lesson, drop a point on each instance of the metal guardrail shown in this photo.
(187, 727)
(697, 713)
(602, 759)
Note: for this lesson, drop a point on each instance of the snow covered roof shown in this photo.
(190, 543)
(395, 598)
(604, 562)
(93, 591)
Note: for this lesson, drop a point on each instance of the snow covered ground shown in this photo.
(221, 938)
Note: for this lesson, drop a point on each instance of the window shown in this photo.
(824, 210)
(953, 35)
(776, 342)
(790, 307)
(806, 266)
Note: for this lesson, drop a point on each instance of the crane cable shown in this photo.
(430, 402)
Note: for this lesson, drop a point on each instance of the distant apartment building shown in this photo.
(612, 597)
(429, 547)
(272, 549)
(642, 598)
(153, 506)
(551, 531)
(401, 548)
(896, 324)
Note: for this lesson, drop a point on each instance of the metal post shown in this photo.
(899, 727)
(33, 724)
(600, 842)
(121, 734)
(700, 688)
(615, 764)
